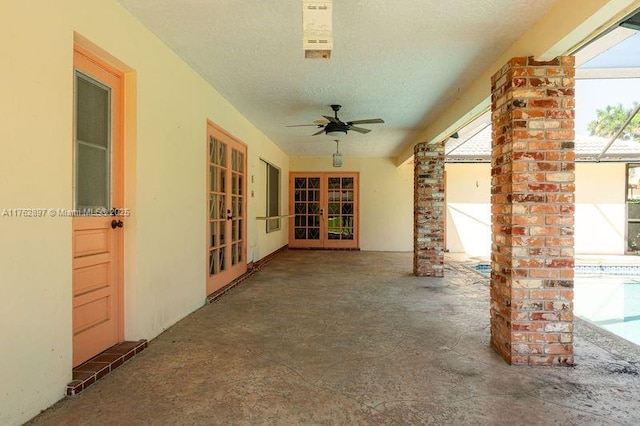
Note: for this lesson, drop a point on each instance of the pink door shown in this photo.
(226, 219)
(98, 194)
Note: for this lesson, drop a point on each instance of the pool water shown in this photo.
(605, 295)
(610, 302)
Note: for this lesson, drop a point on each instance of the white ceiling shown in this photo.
(401, 60)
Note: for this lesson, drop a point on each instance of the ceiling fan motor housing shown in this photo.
(332, 127)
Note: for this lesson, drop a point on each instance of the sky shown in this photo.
(597, 94)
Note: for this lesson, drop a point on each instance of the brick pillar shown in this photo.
(428, 210)
(532, 206)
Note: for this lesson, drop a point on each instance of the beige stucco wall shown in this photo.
(468, 192)
(165, 263)
(600, 208)
(599, 217)
(386, 198)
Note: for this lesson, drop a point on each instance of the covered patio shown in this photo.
(346, 337)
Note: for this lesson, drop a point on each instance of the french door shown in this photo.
(325, 209)
(226, 219)
(98, 218)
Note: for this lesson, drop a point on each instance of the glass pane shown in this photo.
(223, 227)
(301, 220)
(633, 211)
(633, 182)
(240, 162)
(240, 252)
(300, 183)
(633, 237)
(212, 149)
(222, 182)
(213, 184)
(300, 233)
(222, 154)
(300, 195)
(239, 229)
(212, 206)
(313, 234)
(92, 174)
(234, 254)
(347, 183)
(221, 260)
(214, 234)
(240, 185)
(212, 262)
(240, 200)
(92, 113)
(347, 208)
(314, 182)
(234, 230)
(334, 208)
(334, 183)
(221, 207)
(234, 160)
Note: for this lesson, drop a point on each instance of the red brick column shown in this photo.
(532, 205)
(428, 210)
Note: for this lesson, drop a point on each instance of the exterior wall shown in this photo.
(468, 191)
(600, 205)
(600, 208)
(167, 105)
(386, 199)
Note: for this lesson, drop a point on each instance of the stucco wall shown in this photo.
(386, 199)
(165, 264)
(599, 217)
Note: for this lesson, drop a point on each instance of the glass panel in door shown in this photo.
(307, 209)
(340, 206)
(217, 205)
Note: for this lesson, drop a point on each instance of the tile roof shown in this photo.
(588, 148)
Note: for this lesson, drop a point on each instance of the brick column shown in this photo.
(532, 206)
(428, 210)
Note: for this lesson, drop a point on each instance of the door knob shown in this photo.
(229, 215)
(117, 224)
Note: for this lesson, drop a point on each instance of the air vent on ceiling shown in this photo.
(317, 28)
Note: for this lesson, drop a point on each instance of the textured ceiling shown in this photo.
(401, 60)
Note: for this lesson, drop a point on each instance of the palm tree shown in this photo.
(610, 119)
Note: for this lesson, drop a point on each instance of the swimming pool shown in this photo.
(607, 296)
(610, 302)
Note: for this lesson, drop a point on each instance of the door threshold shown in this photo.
(102, 364)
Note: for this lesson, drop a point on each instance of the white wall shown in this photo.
(599, 216)
(468, 193)
(165, 238)
(386, 199)
(600, 208)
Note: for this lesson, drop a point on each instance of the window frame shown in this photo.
(272, 190)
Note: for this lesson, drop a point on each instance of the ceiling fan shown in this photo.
(333, 126)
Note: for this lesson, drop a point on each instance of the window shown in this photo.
(273, 197)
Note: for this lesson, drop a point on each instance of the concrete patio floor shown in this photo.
(341, 338)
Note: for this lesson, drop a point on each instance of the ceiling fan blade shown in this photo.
(318, 132)
(359, 129)
(368, 121)
(304, 125)
(331, 119)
